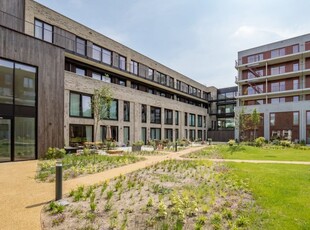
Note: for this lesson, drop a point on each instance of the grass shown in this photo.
(244, 152)
(74, 165)
(282, 191)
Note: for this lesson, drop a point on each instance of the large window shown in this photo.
(102, 55)
(192, 119)
(111, 112)
(6, 81)
(168, 116)
(80, 105)
(25, 138)
(155, 134)
(80, 45)
(43, 31)
(296, 118)
(150, 75)
(278, 86)
(122, 62)
(255, 58)
(272, 119)
(143, 113)
(126, 135)
(126, 111)
(199, 121)
(176, 117)
(109, 133)
(277, 52)
(169, 134)
(185, 119)
(277, 70)
(101, 77)
(155, 115)
(134, 67)
(80, 133)
(25, 85)
(177, 134)
(192, 134)
(308, 117)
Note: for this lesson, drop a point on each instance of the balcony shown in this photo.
(271, 61)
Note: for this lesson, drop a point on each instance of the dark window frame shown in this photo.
(80, 105)
(126, 110)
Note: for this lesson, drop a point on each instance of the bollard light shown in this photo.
(58, 180)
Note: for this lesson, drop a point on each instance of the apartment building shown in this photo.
(222, 114)
(50, 66)
(275, 79)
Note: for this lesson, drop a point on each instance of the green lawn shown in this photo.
(244, 152)
(282, 191)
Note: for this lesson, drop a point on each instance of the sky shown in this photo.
(197, 38)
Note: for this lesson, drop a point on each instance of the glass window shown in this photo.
(155, 134)
(109, 133)
(96, 76)
(308, 117)
(168, 116)
(296, 98)
(272, 119)
(80, 46)
(80, 105)
(112, 112)
(80, 134)
(134, 67)
(199, 134)
(25, 138)
(169, 134)
(192, 119)
(106, 78)
(199, 121)
(143, 134)
(177, 134)
(74, 104)
(296, 84)
(177, 117)
(126, 135)
(86, 106)
(255, 58)
(25, 85)
(155, 115)
(143, 113)
(295, 118)
(185, 119)
(150, 74)
(295, 49)
(96, 53)
(122, 63)
(80, 71)
(43, 31)
(156, 76)
(192, 134)
(6, 82)
(126, 110)
(106, 56)
(295, 67)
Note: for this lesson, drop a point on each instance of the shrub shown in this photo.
(231, 142)
(54, 153)
(303, 143)
(259, 141)
(138, 143)
(285, 143)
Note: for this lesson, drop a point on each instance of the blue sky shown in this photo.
(198, 38)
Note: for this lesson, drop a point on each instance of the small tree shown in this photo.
(101, 104)
(255, 120)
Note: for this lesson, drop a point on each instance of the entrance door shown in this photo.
(5, 140)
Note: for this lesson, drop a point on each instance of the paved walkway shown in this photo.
(22, 198)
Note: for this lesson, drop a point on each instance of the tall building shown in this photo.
(275, 79)
(50, 66)
(222, 114)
